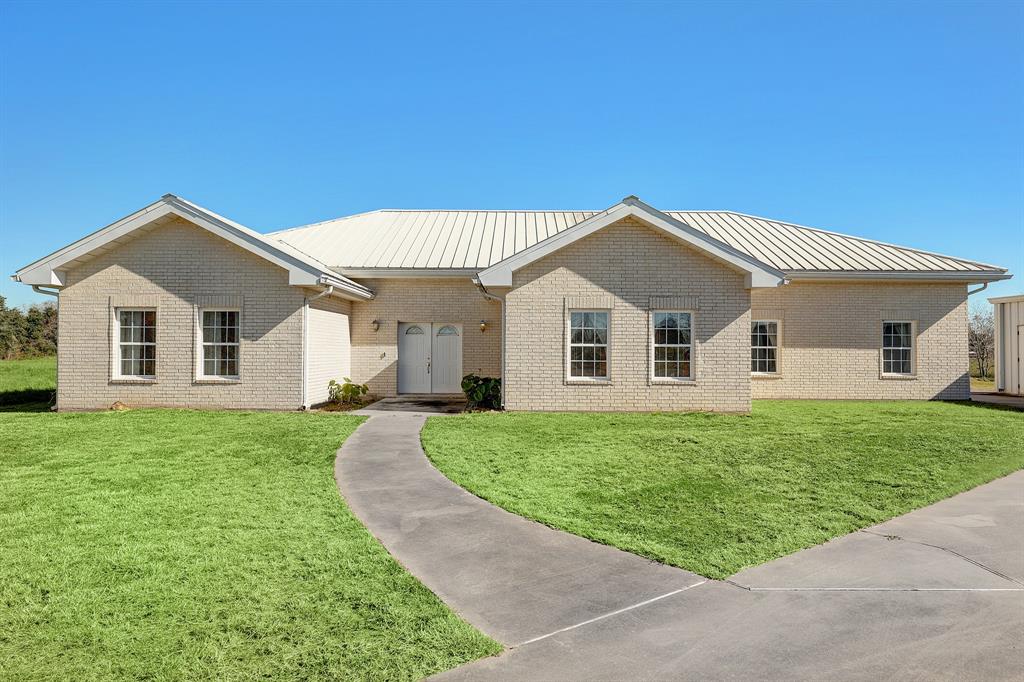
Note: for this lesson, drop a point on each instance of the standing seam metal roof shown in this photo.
(474, 240)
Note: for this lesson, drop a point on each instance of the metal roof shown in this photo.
(391, 239)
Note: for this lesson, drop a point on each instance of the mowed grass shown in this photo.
(716, 493)
(200, 545)
(27, 381)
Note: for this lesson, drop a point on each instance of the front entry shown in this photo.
(429, 357)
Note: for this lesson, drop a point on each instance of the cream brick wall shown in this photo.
(329, 345)
(623, 266)
(832, 335)
(174, 267)
(375, 354)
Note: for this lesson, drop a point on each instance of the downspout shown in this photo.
(39, 290)
(995, 351)
(501, 300)
(305, 343)
(56, 294)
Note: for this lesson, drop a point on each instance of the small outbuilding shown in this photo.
(1009, 323)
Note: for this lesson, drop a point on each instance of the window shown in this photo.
(220, 343)
(673, 345)
(897, 347)
(588, 344)
(447, 330)
(413, 330)
(764, 346)
(136, 343)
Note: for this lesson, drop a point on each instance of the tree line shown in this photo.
(27, 333)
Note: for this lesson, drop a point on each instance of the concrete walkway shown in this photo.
(936, 594)
(991, 398)
(514, 579)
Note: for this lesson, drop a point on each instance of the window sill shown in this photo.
(217, 380)
(761, 376)
(133, 380)
(668, 381)
(898, 377)
(588, 381)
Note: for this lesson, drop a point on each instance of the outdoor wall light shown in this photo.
(375, 325)
(483, 325)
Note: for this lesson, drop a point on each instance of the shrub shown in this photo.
(484, 392)
(347, 392)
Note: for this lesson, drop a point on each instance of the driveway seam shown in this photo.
(611, 613)
(890, 536)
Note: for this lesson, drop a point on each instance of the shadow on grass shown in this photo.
(31, 400)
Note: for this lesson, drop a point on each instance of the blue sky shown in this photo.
(900, 122)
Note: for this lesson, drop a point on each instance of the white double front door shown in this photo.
(429, 357)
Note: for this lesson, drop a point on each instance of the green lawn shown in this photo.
(983, 384)
(24, 381)
(200, 545)
(716, 493)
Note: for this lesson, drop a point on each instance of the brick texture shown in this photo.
(375, 353)
(832, 334)
(174, 267)
(623, 266)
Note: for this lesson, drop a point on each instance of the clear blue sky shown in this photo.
(898, 122)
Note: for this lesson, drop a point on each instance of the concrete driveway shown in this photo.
(935, 594)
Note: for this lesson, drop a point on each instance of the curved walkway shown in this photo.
(514, 579)
(937, 593)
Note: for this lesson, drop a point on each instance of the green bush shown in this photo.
(347, 392)
(482, 392)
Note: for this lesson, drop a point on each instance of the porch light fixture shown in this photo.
(483, 325)
(375, 325)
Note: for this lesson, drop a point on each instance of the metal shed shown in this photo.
(1009, 323)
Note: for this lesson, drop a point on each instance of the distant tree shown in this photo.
(27, 334)
(11, 330)
(981, 339)
(41, 329)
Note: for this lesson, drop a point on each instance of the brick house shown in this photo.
(630, 308)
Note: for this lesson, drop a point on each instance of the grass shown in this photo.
(716, 493)
(160, 544)
(27, 381)
(980, 384)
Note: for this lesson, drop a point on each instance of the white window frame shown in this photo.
(777, 347)
(115, 353)
(569, 378)
(692, 345)
(913, 350)
(201, 344)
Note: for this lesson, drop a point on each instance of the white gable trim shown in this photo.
(758, 274)
(49, 271)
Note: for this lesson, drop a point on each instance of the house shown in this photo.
(630, 308)
(1009, 350)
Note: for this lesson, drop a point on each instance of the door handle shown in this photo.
(428, 365)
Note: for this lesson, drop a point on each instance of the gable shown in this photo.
(628, 255)
(302, 269)
(157, 256)
(756, 273)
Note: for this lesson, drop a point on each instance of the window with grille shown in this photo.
(673, 345)
(136, 343)
(220, 343)
(588, 344)
(764, 346)
(897, 347)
